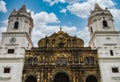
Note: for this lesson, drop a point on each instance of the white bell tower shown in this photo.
(106, 39)
(13, 45)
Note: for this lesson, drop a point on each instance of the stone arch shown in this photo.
(91, 78)
(105, 23)
(31, 78)
(16, 24)
(61, 77)
(74, 41)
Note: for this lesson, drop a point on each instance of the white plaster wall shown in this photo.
(107, 40)
(98, 23)
(22, 40)
(24, 24)
(106, 70)
(15, 74)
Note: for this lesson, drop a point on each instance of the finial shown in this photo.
(97, 7)
(22, 9)
(23, 6)
(59, 32)
(60, 29)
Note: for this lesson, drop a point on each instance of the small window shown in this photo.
(115, 70)
(105, 23)
(61, 62)
(30, 31)
(30, 60)
(7, 70)
(91, 60)
(86, 60)
(111, 52)
(16, 24)
(10, 51)
(60, 45)
(91, 30)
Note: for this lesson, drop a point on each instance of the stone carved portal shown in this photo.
(91, 79)
(31, 79)
(61, 77)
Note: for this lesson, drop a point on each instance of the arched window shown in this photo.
(111, 52)
(16, 24)
(68, 43)
(30, 60)
(61, 61)
(53, 43)
(91, 60)
(47, 42)
(86, 60)
(74, 42)
(35, 60)
(60, 45)
(105, 23)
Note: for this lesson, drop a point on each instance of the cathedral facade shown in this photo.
(60, 57)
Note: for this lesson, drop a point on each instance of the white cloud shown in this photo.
(63, 11)
(84, 35)
(52, 2)
(83, 9)
(3, 27)
(116, 15)
(41, 21)
(5, 22)
(80, 9)
(2, 6)
(43, 18)
(73, 1)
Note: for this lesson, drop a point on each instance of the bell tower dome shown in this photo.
(100, 20)
(20, 21)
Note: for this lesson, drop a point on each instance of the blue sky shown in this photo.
(50, 15)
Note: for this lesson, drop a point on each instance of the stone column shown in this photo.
(38, 77)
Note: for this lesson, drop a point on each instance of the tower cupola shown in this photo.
(20, 21)
(100, 20)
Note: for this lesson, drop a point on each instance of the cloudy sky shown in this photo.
(50, 15)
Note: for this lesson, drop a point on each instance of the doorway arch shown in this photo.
(61, 77)
(91, 79)
(31, 79)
